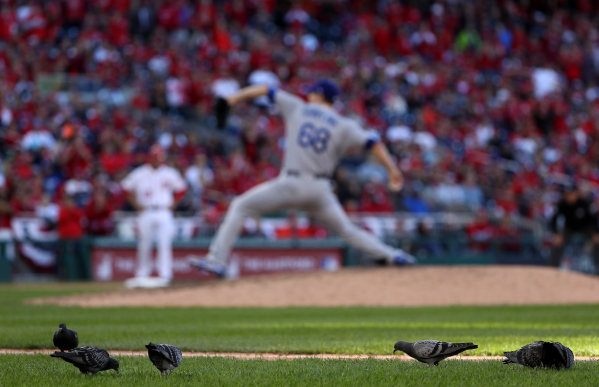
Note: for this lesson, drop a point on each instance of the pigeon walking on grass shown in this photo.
(542, 354)
(432, 352)
(165, 357)
(65, 339)
(89, 359)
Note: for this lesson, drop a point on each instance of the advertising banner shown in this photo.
(110, 264)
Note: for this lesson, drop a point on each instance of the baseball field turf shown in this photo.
(291, 330)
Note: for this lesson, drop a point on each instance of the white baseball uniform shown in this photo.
(154, 190)
(316, 139)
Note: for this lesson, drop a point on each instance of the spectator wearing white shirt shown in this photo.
(263, 77)
(199, 176)
(400, 133)
(47, 211)
(545, 81)
(79, 188)
(225, 85)
(5, 116)
(37, 139)
(175, 93)
(424, 139)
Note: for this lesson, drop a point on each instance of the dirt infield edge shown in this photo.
(374, 287)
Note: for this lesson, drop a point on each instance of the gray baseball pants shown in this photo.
(306, 193)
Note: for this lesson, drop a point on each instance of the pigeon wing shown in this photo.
(92, 356)
(529, 355)
(452, 349)
(74, 337)
(172, 353)
(56, 338)
(427, 349)
(70, 357)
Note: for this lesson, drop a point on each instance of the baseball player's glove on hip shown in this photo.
(221, 110)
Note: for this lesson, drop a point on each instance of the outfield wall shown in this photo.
(106, 259)
(116, 260)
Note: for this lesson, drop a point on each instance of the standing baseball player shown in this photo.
(154, 190)
(316, 138)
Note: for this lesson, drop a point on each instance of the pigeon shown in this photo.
(65, 339)
(542, 354)
(89, 359)
(165, 357)
(432, 351)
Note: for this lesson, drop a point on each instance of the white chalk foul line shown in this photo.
(274, 356)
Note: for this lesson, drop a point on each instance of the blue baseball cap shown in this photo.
(325, 87)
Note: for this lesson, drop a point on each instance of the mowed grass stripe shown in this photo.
(41, 370)
(413, 325)
(357, 330)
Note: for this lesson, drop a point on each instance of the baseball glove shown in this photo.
(221, 110)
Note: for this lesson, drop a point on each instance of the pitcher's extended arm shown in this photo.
(247, 93)
(382, 155)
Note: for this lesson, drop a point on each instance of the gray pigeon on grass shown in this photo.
(432, 352)
(542, 354)
(89, 359)
(165, 357)
(65, 339)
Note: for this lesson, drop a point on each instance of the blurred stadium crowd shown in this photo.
(485, 104)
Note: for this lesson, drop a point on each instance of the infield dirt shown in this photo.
(414, 286)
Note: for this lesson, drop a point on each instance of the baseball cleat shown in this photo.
(212, 267)
(147, 283)
(404, 259)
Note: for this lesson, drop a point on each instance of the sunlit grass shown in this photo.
(356, 330)
(41, 370)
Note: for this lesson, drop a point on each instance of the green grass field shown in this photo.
(291, 330)
(41, 370)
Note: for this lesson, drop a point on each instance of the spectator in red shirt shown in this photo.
(113, 162)
(76, 157)
(508, 235)
(480, 232)
(5, 209)
(70, 220)
(507, 202)
(9, 25)
(74, 12)
(293, 230)
(375, 198)
(23, 200)
(99, 215)
(73, 261)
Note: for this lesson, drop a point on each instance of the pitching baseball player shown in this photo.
(154, 189)
(316, 138)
